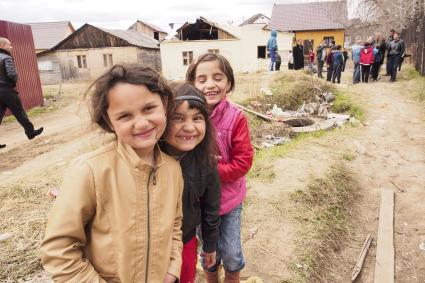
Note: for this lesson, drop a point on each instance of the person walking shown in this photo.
(389, 40)
(380, 46)
(329, 64)
(338, 61)
(9, 98)
(272, 47)
(396, 53)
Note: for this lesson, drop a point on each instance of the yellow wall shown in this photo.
(318, 36)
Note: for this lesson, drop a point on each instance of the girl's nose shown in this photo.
(188, 126)
(140, 122)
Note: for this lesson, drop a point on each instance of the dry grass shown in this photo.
(323, 212)
(290, 91)
(24, 213)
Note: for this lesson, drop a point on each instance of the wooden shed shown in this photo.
(90, 50)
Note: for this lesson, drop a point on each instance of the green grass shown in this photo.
(344, 104)
(322, 211)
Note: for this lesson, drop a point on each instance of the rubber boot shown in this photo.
(231, 277)
(211, 277)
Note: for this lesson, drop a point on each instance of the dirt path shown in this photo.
(394, 138)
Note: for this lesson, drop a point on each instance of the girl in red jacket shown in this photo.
(366, 61)
(213, 75)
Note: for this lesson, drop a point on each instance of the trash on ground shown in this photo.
(422, 246)
(360, 149)
(5, 236)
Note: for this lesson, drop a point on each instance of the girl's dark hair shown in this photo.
(132, 74)
(223, 63)
(206, 151)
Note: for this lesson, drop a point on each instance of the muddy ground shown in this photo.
(393, 135)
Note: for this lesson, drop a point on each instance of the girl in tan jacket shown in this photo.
(118, 216)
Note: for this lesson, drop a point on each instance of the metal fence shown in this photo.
(414, 38)
(29, 85)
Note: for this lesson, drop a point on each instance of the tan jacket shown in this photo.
(116, 219)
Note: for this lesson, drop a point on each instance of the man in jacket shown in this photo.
(8, 95)
(321, 57)
(395, 54)
(272, 47)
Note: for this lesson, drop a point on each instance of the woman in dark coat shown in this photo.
(298, 53)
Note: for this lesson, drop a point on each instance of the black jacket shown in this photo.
(8, 74)
(201, 200)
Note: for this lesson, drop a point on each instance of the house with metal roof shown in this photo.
(48, 34)
(244, 46)
(90, 50)
(149, 29)
(311, 22)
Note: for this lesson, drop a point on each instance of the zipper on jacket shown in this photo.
(153, 174)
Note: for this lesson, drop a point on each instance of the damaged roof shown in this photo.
(309, 16)
(196, 31)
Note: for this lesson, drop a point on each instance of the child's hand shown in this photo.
(209, 259)
(170, 278)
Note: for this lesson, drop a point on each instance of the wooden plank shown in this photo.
(384, 267)
(258, 114)
(362, 256)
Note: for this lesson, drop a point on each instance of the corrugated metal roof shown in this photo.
(48, 34)
(308, 16)
(133, 37)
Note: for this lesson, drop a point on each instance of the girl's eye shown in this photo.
(124, 117)
(177, 118)
(149, 108)
(198, 118)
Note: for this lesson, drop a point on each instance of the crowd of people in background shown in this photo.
(367, 56)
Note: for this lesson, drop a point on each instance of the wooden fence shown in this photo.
(414, 38)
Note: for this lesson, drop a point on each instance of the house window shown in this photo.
(328, 40)
(214, 51)
(156, 35)
(82, 61)
(261, 52)
(107, 60)
(187, 57)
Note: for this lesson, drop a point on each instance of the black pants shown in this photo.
(336, 73)
(320, 68)
(375, 70)
(277, 66)
(9, 99)
(329, 71)
(394, 63)
(365, 73)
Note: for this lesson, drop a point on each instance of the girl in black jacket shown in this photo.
(190, 139)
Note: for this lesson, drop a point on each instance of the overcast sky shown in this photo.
(118, 14)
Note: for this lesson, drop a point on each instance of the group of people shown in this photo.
(9, 97)
(131, 210)
(369, 56)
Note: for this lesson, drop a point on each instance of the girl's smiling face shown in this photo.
(211, 80)
(137, 117)
(186, 129)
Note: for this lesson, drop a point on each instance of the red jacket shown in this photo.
(366, 56)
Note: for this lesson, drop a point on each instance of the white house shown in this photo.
(244, 46)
